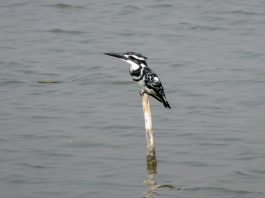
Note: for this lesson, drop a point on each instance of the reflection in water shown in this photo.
(153, 186)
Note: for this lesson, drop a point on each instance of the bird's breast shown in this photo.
(136, 74)
(142, 85)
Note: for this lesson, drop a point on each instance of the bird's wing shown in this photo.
(151, 79)
(153, 82)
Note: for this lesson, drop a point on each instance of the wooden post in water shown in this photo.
(151, 155)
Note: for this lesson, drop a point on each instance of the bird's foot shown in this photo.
(142, 92)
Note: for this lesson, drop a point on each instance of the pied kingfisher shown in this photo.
(146, 79)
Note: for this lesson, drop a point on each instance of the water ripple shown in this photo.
(244, 13)
(16, 4)
(64, 6)
(63, 31)
(224, 190)
(35, 166)
(162, 5)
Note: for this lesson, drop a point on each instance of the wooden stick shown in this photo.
(151, 155)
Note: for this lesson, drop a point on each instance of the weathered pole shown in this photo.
(151, 155)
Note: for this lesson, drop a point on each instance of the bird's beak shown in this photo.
(117, 55)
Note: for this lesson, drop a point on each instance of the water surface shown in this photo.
(84, 135)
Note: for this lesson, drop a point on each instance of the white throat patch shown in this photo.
(134, 66)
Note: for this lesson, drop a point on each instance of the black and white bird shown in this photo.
(146, 79)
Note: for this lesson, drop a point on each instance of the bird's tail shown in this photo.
(166, 104)
(162, 99)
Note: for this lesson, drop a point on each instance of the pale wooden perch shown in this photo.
(151, 155)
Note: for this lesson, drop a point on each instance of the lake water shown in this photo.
(84, 136)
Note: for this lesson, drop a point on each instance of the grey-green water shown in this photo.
(84, 136)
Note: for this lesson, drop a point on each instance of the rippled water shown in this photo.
(84, 135)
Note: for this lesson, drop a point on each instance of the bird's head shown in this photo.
(131, 57)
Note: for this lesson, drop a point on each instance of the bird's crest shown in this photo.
(134, 55)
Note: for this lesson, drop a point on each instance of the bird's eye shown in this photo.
(132, 58)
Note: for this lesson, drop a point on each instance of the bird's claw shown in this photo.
(142, 92)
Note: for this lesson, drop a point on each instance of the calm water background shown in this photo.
(84, 136)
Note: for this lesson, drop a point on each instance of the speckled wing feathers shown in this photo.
(153, 82)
